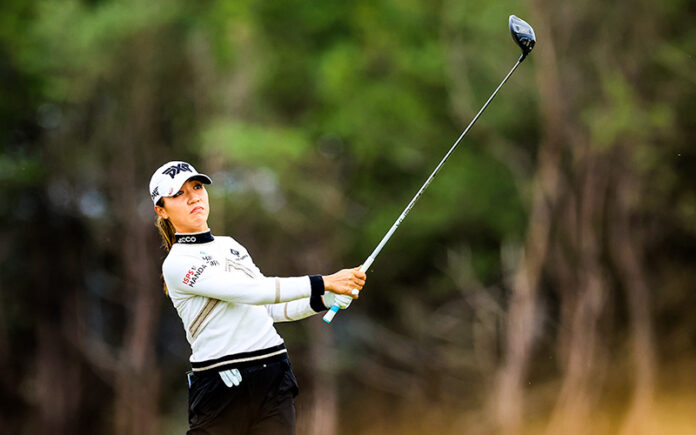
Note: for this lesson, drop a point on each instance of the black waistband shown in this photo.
(243, 359)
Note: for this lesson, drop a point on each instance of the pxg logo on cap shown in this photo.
(168, 179)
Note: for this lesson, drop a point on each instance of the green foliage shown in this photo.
(72, 44)
(20, 171)
(255, 145)
(625, 117)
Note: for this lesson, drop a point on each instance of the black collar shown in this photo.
(191, 238)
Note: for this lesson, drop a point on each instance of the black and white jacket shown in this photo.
(227, 306)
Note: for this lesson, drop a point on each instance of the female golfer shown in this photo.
(241, 381)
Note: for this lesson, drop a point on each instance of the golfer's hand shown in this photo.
(345, 282)
(330, 299)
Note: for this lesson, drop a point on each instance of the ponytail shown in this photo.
(166, 231)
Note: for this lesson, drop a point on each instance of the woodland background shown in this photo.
(543, 284)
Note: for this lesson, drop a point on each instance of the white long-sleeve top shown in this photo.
(226, 305)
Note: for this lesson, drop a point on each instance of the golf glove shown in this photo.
(231, 377)
(343, 301)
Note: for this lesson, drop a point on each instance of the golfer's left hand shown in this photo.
(330, 299)
(345, 282)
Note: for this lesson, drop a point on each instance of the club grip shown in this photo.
(328, 317)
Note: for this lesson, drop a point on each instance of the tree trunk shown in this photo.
(324, 409)
(580, 386)
(57, 383)
(627, 252)
(323, 420)
(522, 311)
(136, 380)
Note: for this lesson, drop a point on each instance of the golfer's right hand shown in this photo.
(345, 281)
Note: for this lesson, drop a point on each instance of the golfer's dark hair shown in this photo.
(166, 232)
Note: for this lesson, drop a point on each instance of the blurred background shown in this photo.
(543, 284)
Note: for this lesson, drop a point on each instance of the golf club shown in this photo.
(523, 34)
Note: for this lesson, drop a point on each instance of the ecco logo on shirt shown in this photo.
(186, 239)
(172, 171)
(193, 274)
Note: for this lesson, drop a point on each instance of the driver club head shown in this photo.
(523, 34)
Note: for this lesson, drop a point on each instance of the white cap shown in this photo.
(168, 179)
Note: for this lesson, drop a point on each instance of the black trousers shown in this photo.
(262, 404)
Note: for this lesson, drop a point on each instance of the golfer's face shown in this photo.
(188, 208)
